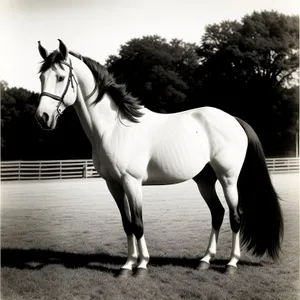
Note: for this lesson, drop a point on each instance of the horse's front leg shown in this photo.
(119, 195)
(133, 190)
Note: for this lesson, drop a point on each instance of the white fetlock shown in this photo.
(130, 264)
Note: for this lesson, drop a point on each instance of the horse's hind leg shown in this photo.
(229, 184)
(206, 181)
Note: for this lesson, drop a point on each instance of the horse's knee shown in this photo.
(232, 198)
(217, 216)
(235, 220)
(138, 228)
(127, 226)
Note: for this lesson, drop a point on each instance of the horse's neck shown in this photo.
(84, 117)
(96, 119)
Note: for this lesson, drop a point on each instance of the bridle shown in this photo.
(60, 99)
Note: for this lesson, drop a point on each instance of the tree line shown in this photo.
(248, 69)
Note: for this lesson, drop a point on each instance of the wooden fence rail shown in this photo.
(61, 169)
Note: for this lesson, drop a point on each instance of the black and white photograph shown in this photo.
(149, 150)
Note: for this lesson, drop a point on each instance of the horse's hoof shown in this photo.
(203, 265)
(230, 270)
(141, 273)
(124, 273)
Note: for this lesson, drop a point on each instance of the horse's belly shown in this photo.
(180, 156)
(172, 173)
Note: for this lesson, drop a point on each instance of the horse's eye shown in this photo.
(60, 78)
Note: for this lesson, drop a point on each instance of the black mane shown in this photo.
(105, 83)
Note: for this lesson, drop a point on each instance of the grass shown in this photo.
(64, 240)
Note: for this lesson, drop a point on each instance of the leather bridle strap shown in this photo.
(61, 98)
(79, 56)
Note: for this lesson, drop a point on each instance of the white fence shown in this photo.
(47, 169)
(282, 165)
(61, 169)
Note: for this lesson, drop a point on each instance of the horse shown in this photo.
(133, 146)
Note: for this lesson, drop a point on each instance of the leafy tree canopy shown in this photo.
(156, 71)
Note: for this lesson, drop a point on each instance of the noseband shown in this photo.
(61, 98)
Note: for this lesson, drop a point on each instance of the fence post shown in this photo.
(60, 169)
(40, 171)
(19, 170)
(297, 144)
(84, 170)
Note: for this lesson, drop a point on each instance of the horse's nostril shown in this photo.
(45, 117)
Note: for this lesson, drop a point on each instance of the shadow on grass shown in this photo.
(36, 259)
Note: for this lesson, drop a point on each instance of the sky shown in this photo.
(97, 28)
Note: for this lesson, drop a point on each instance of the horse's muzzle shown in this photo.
(43, 120)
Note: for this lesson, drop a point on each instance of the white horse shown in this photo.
(133, 146)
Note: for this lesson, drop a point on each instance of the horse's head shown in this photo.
(58, 85)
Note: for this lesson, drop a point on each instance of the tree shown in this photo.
(11, 105)
(271, 45)
(264, 46)
(158, 72)
(246, 68)
(23, 139)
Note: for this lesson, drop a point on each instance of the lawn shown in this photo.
(64, 240)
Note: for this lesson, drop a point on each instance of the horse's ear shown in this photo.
(43, 51)
(63, 49)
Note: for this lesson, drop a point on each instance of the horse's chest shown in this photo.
(117, 160)
(107, 165)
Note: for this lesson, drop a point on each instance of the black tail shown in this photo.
(262, 221)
